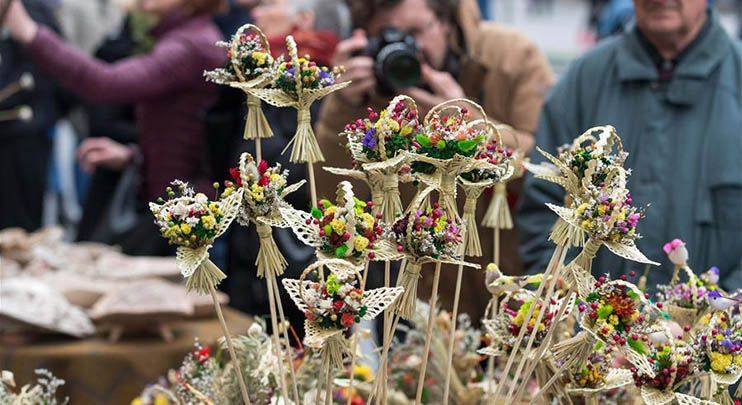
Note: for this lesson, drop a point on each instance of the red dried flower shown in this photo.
(262, 167)
(235, 173)
(347, 319)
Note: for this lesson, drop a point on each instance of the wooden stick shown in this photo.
(328, 385)
(312, 184)
(274, 335)
(258, 150)
(496, 256)
(313, 196)
(355, 341)
(228, 338)
(379, 384)
(550, 269)
(449, 364)
(491, 360)
(387, 282)
(282, 318)
(318, 394)
(429, 333)
(545, 343)
(556, 271)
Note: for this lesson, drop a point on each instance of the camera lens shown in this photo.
(398, 65)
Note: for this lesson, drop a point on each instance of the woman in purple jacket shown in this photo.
(165, 85)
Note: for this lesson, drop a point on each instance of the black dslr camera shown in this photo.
(395, 56)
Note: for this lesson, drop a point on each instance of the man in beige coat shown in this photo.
(462, 56)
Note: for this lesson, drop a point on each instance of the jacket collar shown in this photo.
(634, 61)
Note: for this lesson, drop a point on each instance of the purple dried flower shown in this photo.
(368, 140)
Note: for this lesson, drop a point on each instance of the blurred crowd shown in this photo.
(103, 103)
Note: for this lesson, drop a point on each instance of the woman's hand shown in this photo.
(103, 152)
(21, 26)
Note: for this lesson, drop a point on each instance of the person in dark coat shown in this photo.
(25, 144)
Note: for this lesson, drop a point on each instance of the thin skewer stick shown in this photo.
(276, 340)
(429, 333)
(549, 270)
(549, 291)
(228, 338)
(258, 150)
(491, 360)
(387, 281)
(288, 343)
(355, 342)
(545, 342)
(457, 294)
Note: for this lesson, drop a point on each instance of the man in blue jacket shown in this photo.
(672, 88)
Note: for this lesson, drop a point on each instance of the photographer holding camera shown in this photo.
(433, 51)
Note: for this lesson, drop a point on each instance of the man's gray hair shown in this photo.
(329, 15)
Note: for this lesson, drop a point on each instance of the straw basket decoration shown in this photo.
(573, 350)
(500, 327)
(265, 213)
(305, 148)
(475, 182)
(446, 170)
(193, 261)
(250, 66)
(309, 230)
(644, 369)
(733, 371)
(559, 171)
(331, 341)
(616, 378)
(685, 316)
(579, 270)
(398, 122)
(407, 246)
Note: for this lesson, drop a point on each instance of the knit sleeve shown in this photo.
(162, 70)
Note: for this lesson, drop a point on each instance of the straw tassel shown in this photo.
(205, 277)
(447, 195)
(473, 246)
(562, 233)
(305, 149)
(270, 260)
(586, 256)
(573, 349)
(256, 125)
(498, 212)
(334, 349)
(405, 307)
(391, 203)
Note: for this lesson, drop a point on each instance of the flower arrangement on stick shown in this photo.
(665, 367)
(685, 301)
(376, 143)
(595, 374)
(250, 66)
(721, 345)
(193, 222)
(332, 306)
(424, 237)
(346, 230)
(264, 189)
(299, 82)
(476, 181)
(446, 147)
